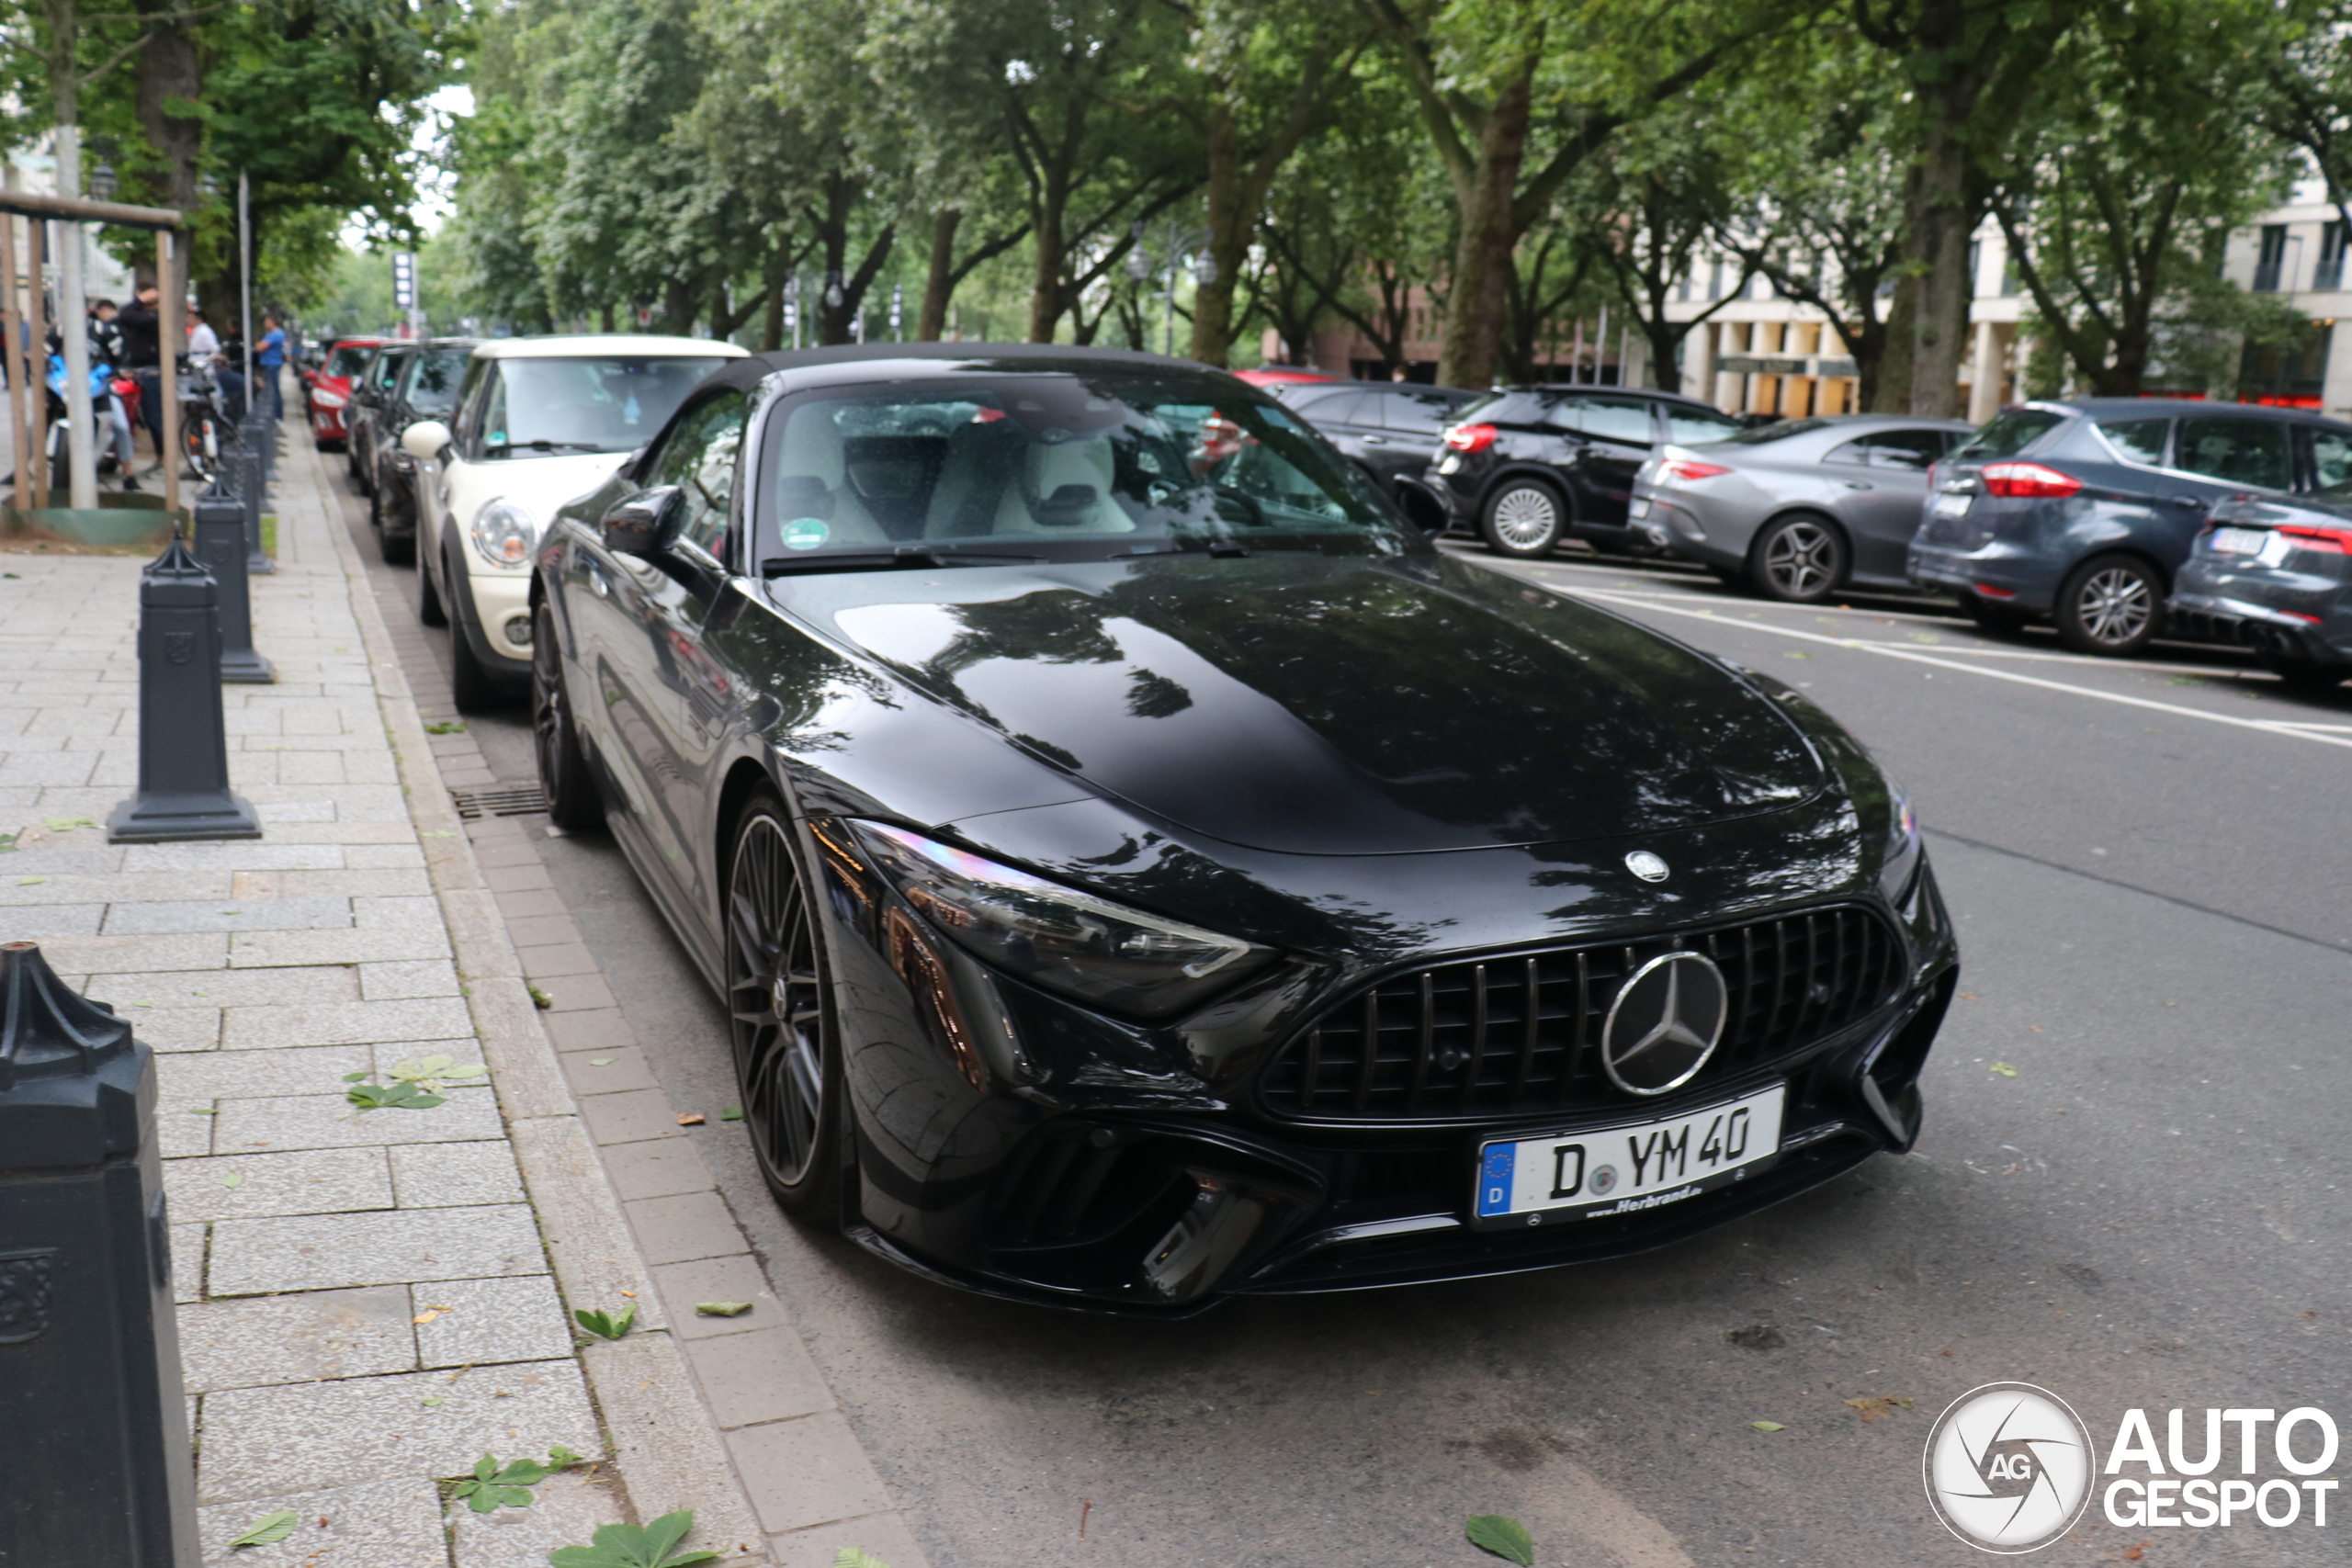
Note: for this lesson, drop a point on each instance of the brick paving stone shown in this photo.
(686, 1228)
(806, 1472)
(245, 1075)
(188, 1260)
(516, 878)
(656, 1169)
(591, 1031)
(330, 1121)
(371, 1524)
(883, 1537)
(608, 1071)
(557, 958)
(343, 1023)
(455, 1175)
(716, 1280)
(297, 1338)
(26, 920)
(630, 1116)
(767, 1375)
(183, 1129)
(271, 949)
(577, 993)
(484, 1321)
(224, 987)
(107, 954)
(321, 1252)
(565, 1511)
(259, 1441)
(238, 915)
(394, 982)
(309, 1182)
(541, 931)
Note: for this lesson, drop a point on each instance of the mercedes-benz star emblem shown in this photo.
(1646, 866)
(1664, 1024)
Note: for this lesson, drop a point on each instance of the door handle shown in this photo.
(1859, 484)
(1375, 440)
(2196, 501)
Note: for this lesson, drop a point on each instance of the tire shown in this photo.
(428, 599)
(1799, 560)
(471, 688)
(2111, 606)
(787, 1061)
(564, 778)
(2304, 675)
(397, 550)
(1523, 519)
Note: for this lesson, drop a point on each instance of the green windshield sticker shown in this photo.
(804, 534)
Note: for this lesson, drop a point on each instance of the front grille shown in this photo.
(1521, 1034)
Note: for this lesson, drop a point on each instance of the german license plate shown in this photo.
(1640, 508)
(1953, 504)
(1625, 1169)
(2239, 541)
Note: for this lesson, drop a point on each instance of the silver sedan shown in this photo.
(1799, 509)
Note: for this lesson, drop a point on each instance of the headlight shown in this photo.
(329, 400)
(1057, 937)
(1902, 862)
(504, 532)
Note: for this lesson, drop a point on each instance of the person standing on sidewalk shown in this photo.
(140, 325)
(204, 348)
(270, 355)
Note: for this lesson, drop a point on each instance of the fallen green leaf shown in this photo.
(1793, 654)
(437, 833)
(494, 1486)
(561, 1457)
(446, 726)
(399, 1096)
(541, 1000)
(268, 1530)
(204, 1111)
(8, 843)
(607, 1324)
(601, 1061)
(722, 1309)
(66, 824)
(430, 1400)
(732, 1113)
(234, 1179)
(851, 1557)
(1506, 1537)
(30, 881)
(634, 1546)
(1768, 1425)
(2006, 1070)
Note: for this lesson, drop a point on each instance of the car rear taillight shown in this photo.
(1470, 437)
(2328, 541)
(1689, 469)
(2027, 481)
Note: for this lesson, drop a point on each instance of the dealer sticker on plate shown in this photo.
(1625, 1169)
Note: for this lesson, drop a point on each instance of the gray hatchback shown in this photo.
(2275, 574)
(1798, 509)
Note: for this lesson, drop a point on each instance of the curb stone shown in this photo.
(669, 1452)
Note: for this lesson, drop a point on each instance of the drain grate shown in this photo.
(522, 800)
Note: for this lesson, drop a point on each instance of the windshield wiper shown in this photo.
(543, 445)
(887, 560)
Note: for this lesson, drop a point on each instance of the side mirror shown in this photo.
(644, 523)
(424, 439)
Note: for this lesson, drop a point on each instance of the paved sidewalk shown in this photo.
(373, 1300)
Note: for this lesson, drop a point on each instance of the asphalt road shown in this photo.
(2129, 1191)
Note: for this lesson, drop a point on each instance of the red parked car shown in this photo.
(330, 390)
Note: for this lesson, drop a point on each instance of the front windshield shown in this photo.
(1057, 467)
(348, 358)
(433, 384)
(568, 404)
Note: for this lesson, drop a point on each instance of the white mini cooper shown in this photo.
(538, 421)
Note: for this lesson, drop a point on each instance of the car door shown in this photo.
(1337, 416)
(1881, 507)
(669, 697)
(2228, 454)
(1611, 439)
(1412, 432)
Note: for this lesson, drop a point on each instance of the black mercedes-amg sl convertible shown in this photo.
(1141, 867)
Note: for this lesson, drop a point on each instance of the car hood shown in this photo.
(1315, 706)
(540, 484)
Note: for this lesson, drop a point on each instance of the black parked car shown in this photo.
(426, 388)
(2276, 573)
(1140, 867)
(368, 390)
(1533, 466)
(2083, 510)
(1393, 430)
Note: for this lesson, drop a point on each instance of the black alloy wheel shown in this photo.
(785, 1063)
(1523, 519)
(2110, 605)
(564, 778)
(1798, 561)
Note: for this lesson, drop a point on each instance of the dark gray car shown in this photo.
(1393, 430)
(2083, 510)
(1798, 509)
(2276, 573)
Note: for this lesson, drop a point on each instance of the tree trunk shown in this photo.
(677, 308)
(1045, 278)
(771, 323)
(1474, 328)
(1938, 219)
(1890, 390)
(939, 286)
(169, 73)
(1232, 210)
(605, 320)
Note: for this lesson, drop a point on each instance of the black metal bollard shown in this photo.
(183, 749)
(221, 546)
(89, 1347)
(243, 466)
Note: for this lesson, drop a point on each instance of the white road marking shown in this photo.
(2268, 727)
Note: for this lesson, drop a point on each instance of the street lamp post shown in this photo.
(1179, 250)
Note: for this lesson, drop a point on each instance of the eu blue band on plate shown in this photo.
(1495, 1178)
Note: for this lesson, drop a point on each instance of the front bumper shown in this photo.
(1118, 1187)
(495, 610)
(327, 424)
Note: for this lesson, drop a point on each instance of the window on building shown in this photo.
(2272, 258)
(2290, 375)
(2329, 274)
